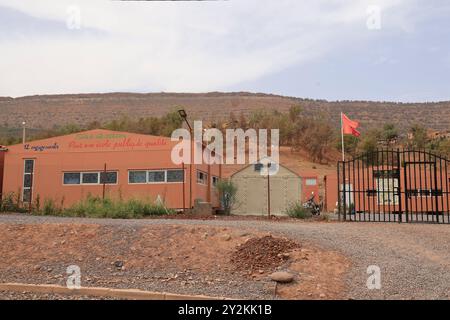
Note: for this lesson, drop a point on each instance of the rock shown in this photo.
(118, 264)
(243, 234)
(283, 255)
(261, 271)
(205, 235)
(227, 237)
(282, 277)
(322, 295)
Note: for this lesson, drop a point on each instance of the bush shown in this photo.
(297, 211)
(49, 208)
(11, 203)
(96, 207)
(227, 190)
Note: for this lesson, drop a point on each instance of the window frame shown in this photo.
(309, 180)
(212, 180)
(71, 184)
(98, 183)
(31, 174)
(184, 176)
(147, 174)
(205, 180)
(109, 184)
(136, 183)
(90, 183)
(156, 182)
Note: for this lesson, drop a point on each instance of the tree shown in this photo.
(389, 134)
(369, 143)
(419, 137)
(317, 138)
(227, 190)
(350, 144)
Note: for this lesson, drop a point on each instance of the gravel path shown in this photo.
(414, 258)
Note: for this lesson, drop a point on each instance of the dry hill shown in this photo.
(49, 110)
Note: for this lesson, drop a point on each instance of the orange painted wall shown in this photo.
(331, 192)
(307, 189)
(2, 164)
(89, 151)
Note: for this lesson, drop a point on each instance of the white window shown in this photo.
(27, 179)
(175, 175)
(311, 182)
(79, 178)
(386, 191)
(202, 177)
(137, 177)
(108, 177)
(72, 178)
(90, 177)
(156, 176)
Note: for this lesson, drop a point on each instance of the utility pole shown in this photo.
(183, 116)
(23, 132)
(268, 189)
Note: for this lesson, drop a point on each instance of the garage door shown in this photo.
(252, 194)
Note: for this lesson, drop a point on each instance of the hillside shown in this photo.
(50, 110)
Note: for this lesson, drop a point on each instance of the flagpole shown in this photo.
(342, 139)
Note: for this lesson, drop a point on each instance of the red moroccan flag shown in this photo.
(349, 126)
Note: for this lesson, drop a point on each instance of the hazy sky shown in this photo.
(397, 50)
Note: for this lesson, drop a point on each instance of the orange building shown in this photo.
(106, 163)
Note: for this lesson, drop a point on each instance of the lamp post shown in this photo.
(23, 131)
(183, 115)
(269, 164)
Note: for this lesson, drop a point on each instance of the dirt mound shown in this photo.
(265, 253)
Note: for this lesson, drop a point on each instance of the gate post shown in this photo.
(339, 190)
(436, 201)
(399, 166)
(344, 191)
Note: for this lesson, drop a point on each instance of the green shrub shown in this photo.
(96, 207)
(227, 190)
(296, 210)
(11, 203)
(49, 208)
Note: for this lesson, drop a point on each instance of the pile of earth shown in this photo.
(262, 254)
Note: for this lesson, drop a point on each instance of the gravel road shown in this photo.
(414, 259)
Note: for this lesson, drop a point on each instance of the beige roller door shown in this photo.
(252, 193)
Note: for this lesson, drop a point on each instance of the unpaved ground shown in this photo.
(163, 257)
(332, 261)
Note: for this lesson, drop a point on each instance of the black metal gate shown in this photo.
(394, 186)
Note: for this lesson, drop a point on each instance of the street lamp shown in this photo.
(183, 115)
